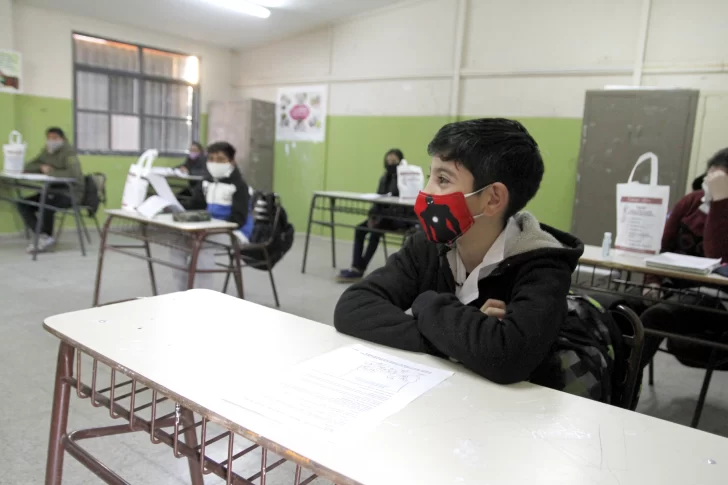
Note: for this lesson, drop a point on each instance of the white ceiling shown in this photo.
(198, 20)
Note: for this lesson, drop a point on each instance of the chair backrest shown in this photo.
(265, 212)
(633, 336)
(100, 181)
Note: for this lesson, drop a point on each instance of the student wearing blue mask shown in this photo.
(364, 252)
(485, 282)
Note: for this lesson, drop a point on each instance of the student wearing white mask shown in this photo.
(58, 158)
(226, 196)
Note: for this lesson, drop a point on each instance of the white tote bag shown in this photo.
(410, 180)
(641, 212)
(14, 153)
(135, 190)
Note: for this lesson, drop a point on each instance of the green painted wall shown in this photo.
(32, 115)
(351, 159)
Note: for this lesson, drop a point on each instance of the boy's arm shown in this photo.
(68, 166)
(33, 166)
(374, 308)
(505, 350)
(197, 201)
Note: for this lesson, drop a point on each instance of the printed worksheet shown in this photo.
(348, 389)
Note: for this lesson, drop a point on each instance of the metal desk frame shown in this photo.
(146, 234)
(626, 279)
(351, 203)
(44, 184)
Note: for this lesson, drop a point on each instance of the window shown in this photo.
(130, 98)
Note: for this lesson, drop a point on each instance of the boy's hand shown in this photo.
(46, 169)
(494, 308)
(372, 222)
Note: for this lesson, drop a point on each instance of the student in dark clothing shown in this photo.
(195, 164)
(362, 256)
(697, 226)
(57, 159)
(494, 296)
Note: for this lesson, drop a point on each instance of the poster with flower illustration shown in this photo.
(301, 114)
(10, 71)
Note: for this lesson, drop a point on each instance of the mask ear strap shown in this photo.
(477, 191)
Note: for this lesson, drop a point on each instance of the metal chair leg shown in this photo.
(384, 246)
(85, 230)
(60, 225)
(651, 373)
(704, 389)
(227, 275)
(270, 275)
(96, 223)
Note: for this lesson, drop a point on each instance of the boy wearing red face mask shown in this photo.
(486, 283)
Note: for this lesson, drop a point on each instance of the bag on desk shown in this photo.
(14, 153)
(410, 180)
(135, 190)
(641, 211)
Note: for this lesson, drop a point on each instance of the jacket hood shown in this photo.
(536, 239)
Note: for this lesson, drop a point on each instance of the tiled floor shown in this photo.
(63, 281)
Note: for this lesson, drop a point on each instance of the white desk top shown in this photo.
(366, 198)
(165, 220)
(36, 177)
(593, 256)
(467, 430)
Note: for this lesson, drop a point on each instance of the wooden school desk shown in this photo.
(162, 231)
(46, 184)
(352, 203)
(467, 430)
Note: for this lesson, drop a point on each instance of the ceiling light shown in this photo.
(242, 6)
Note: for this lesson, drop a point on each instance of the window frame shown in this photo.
(141, 78)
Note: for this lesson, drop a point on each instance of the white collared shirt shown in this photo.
(466, 288)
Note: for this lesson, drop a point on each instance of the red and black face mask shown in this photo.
(444, 218)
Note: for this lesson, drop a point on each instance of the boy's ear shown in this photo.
(496, 200)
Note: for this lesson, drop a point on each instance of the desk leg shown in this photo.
(192, 270)
(59, 415)
(308, 233)
(150, 265)
(332, 208)
(188, 420)
(100, 264)
(77, 216)
(237, 266)
(712, 361)
(39, 223)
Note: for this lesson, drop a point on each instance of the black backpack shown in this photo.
(589, 352)
(279, 237)
(91, 198)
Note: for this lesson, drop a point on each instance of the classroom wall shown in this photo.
(396, 75)
(48, 83)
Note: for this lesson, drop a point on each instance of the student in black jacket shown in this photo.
(376, 220)
(488, 291)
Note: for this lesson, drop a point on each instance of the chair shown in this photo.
(633, 336)
(99, 181)
(257, 255)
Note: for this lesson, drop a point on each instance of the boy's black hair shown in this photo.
(719, 160)
(198, 145)
(222, 147)
(493, 150)
(57, 131)
(394, 151)
(698, 182)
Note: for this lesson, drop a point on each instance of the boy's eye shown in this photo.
(440, 179)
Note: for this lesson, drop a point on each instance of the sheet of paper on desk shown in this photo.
(153, 206)
(163, 190)
(343, 391)
(372, 196)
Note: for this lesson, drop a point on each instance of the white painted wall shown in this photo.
(6, 24)
(44, 39)
(519, 58)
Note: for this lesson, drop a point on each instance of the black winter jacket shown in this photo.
(533, 280)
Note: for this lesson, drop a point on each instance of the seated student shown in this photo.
(362, 257)
(57, 159)
(225, 195)
(697, 226)
(194, 164)
(486, 284)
